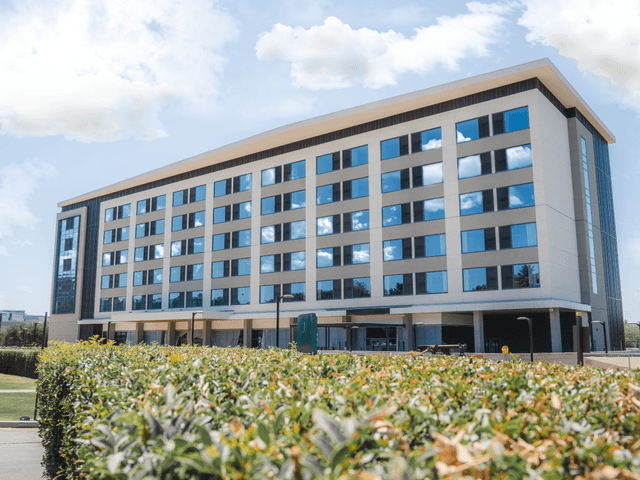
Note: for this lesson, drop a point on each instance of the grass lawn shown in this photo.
(16, 405)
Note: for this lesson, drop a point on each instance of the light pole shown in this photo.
(193, 324)
(604, 328)
(530, 335)
(278, 299)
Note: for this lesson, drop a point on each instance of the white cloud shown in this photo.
(601, 35)
(333, 55)
(18, 183)
(3, 251)
(101, 70)
(26, 288)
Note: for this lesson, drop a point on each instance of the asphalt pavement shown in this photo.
(20, 454)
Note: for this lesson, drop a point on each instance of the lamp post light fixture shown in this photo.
(604, 328)
(530, 335)
(192, 327)
(278, 300)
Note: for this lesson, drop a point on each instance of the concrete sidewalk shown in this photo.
(20, 454)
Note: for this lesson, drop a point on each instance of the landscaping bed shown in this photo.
(180, 413)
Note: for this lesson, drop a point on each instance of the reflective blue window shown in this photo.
(269, 177)
(159, 227)
(359, 220)
(197, 246)
(124, 256)
(394, 285)
(176, 223)
(245, 182)
(141, 207)
(122, 280)
(244, 210)
(391, 182)
(517, 119)
(473, 241)
(200, 193)
(325, 291)
(298, 291)
(520, 276)
(244, 266)
(220, 188)
(178, 198)
(519, 196)
(124, 234)
(217, 270)
(158, 251)
(467, 131)
(219, 215)
(477, 279)
(298, 199)
(298, 230)
(471, 203)
(268, 205)
(360, 188)
(156, 276)
(138, 278)
(390, 148)
(106, 259)
(104, 283)
(268, 234)
(160, 203)
(219, 297)
(437, 282)
(176, 248)
(469, 167)
(518, 157)
(324, 164)
(219, 242)
(267, 294)
(431, 174)
(360, 287)
(267, 264)
(198, 219)
(359, 156)
(140, 230)
(391, 215)
(324, 257)
(523, 235)
(139, 254)
(109, 214)
(126, 211)
(431, 139)
(324, 194)
(240, 296)
(298, 261)
(434, 209)
(392, 250)
(324, 226)
(297, 170)
(360, 254)
(244, 238)
(174, 275)
(108, 236)
(435, 245)
(197, 272)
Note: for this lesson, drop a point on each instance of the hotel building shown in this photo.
(439, 216)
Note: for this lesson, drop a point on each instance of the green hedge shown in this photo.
(153, 412)
(21, 362)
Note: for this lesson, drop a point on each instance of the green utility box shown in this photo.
(307, 337)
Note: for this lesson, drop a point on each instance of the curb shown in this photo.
(19, 424)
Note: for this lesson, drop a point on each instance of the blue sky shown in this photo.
(96, 91)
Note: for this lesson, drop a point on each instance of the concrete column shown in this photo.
(139, 333)
(247, 332)
(407, 335)
(556, 334)
(171, 334)
(478, 331)
(206, 333)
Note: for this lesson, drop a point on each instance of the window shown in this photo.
(295, 289)
(222, 214)
(395, 285)
(526, 275)
(428, 210)
(510, 121)
(240, 296)
(180, 198)
(66, 265)
(356, 221)
(328, 225)
(270, 263)
(394, 181)
(357, 287)
(115, 258)
(158, 203)
(179, 223)
(355, 188)
(105, 304)
(138, 302)
(328, 163)
(472, 129)
(198, 194)
(142, 230)
(177, 274)
(124, 211)
(193, 299)
(513, 158)
(294, 230)
(481, 240)
(154, 302)
(219, 297)
(293, 261)
(240, 267)
(123, 257)
(356, 254)
(68, 244)
(294, 171)
(220, 269)
(328, 257)
(119, 280)
(270, 234)
(476, 279)
(222, 188)
(431, 282)
(222, 241)
(120, 304)
(241, 238)
(518, 196)
(139, 278)
(107, 259)
(271, 205)
(157, 227)
(294, 200)
(106, 281)
(195, 245)
(195, 272)
(396, 214)
(589, 215)
(271, 176)
(427, 140)
(155, 276)
(242, 210)
(355, 156)
(518, 236)
(142, 207)
(268, 293)
(110, 214)
(108, 238)
(178, 248)
(327, 194)
(475, 165)
(156, 252)
(140, 254)
(122, 234)
(328, 290)
(242, 183)
(476, 202)
(176, 300)
(427, 175)
(196, 219)
(399, 249)
(430, 246)
(394, 147)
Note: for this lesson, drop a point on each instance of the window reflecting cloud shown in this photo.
(268, 234)
(267, 264)
(298, 230)
(470, 203)
(392, 250)
(298, 261)
(391, 215)
(360, 254)
(469, 166)
(324, 226)
(431, 144)
(324, 258)
(360, 220)
(432, 174)
(519, 157)
(268, 177)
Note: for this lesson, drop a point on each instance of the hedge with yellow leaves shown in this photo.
(149, 412)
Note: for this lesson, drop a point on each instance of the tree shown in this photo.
(22, 335)
(631, 332)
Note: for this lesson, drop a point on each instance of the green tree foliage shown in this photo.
(23, 335)
(631, 332)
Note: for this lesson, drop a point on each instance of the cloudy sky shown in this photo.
(95, 91)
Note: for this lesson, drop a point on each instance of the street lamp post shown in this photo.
(604, 328)
(192, 327)
(530, 335)
(278, 299)
(579, 337)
